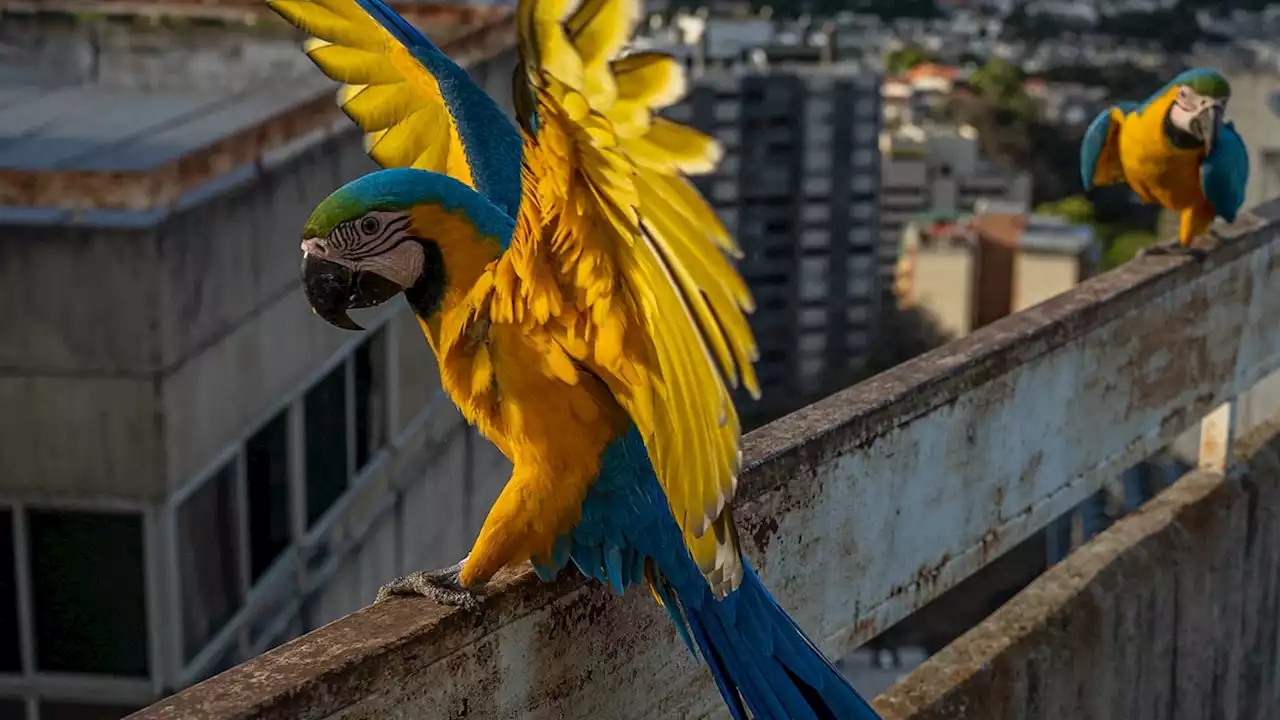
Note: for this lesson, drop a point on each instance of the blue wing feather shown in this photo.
(490, 141)
(1225, 173)
(1095, 139)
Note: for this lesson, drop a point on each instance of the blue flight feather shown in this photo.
(759, 657)
(1095, 140)
(1224, 174)
(492, 145)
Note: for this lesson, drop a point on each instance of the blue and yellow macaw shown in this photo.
(1173, 150)
(581, 302)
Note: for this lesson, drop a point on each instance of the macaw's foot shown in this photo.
(442, 586)
(1173, 247)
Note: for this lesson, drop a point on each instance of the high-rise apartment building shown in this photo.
(799, 188)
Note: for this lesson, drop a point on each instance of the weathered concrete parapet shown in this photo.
(856, 510)
(1174, 612)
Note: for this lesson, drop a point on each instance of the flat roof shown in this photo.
(99, 147)
(107, 129)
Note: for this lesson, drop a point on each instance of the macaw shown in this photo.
(582, 303)
(1173, 150)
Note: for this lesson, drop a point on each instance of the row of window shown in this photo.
(233, 528)
(87, 582)
(85, 571)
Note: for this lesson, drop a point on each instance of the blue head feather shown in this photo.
(404, 188)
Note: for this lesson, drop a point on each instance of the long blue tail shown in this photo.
(761, 661)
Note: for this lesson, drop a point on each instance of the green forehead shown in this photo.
(332, 212)
(1207, 83)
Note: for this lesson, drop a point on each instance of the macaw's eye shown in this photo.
(370, 225)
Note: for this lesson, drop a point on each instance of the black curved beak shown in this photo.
(333, 289)
(1207, 124)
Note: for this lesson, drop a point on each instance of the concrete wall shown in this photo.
(944, 286)
(1040, 276)
(179, 334)
(136, 53)
(1172, 613)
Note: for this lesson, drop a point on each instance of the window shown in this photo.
(325, 412)
(13, 709)
(267, 486)
(864, 158)
(208, 560)
(87, 571)
(10, 658)
(371, 397)
(83, 711)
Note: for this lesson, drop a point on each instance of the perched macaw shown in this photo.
(581, 302)
(1173, 150)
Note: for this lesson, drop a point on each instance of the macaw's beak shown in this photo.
(332, 289)
(1207, 124)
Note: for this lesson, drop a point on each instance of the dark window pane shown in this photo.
(267, 470)
(10, 658)
(88, 590)
(371, 397)
(13, 709)
(50, 710)
(208, 559)
(325, 409)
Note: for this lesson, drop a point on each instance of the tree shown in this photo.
(1124, 246)
(905, 58)
(1073, 208)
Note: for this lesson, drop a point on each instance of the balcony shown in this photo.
(862, 508)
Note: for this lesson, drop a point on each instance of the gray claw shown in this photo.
(1172, 247)
(441, 586)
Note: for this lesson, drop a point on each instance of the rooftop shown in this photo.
(79, 146)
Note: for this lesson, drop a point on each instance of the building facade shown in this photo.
(798, 188)
(193, 467)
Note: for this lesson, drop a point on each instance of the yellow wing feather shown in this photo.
(616, 260)
(650, 300)
(386, 91)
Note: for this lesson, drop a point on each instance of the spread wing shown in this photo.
(616, 256)
(619, 255)
(417, 107)
(1224, 174)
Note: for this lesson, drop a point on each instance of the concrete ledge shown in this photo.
(1174, 612)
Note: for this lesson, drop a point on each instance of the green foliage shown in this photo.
(905, 58)
(1074, 208)
(1124, 246)
(1000, 84)
(1119, 241)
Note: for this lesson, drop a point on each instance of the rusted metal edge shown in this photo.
(161, 186)
(939, 687)
(316, 675)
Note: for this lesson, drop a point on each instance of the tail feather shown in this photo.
(1100, 162)
(763, 664)
(761, 659)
